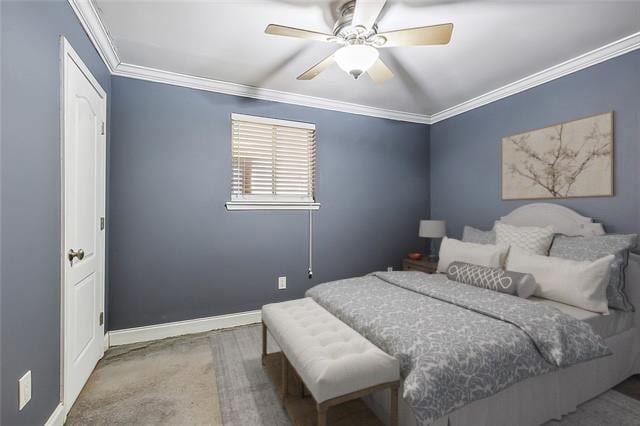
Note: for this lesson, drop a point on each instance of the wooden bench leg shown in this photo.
(322, 415)
(284, 378)
(264, 341)
(393, 409)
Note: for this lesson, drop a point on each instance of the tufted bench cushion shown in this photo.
(331, 358)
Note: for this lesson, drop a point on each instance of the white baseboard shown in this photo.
(57, 417)
(106, 341)
(179, 328)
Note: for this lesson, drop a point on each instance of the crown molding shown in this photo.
(200, 83)
(596, 56)
(89, 17)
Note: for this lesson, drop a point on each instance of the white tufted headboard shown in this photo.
(562, 219)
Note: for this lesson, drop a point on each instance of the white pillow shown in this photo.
(532, 239)
(452, 250)
(578, 283)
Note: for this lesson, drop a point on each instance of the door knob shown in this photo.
(77, 254)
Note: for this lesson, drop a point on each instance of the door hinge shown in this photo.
(102, 130)
(102, 223)
(101, 320)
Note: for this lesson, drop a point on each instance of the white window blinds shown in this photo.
(272, 160)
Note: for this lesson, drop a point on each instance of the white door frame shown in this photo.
(67, 55)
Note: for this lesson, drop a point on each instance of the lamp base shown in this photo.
(433, 254)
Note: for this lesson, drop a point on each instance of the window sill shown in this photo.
(271, 205)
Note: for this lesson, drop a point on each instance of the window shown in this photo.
(273, 164)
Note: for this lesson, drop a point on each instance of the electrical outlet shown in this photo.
(24, 387)
(389, 268)
(282, 283)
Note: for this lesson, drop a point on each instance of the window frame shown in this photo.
(266, 201)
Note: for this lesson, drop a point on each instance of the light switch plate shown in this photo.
(24, 388)
(282, 283)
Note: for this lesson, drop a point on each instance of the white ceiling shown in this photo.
(493, 44)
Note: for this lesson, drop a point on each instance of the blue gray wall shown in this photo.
(465, 149)
(30, 199)
(176, 253)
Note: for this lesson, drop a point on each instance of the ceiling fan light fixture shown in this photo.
(356, 30)
(356, 59)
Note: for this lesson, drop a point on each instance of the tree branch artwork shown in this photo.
(555, 159)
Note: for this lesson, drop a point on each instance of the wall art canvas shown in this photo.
(571, 159)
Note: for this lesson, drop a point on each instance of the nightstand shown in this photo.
(424, 265)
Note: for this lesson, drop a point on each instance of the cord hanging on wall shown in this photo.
(310, 244)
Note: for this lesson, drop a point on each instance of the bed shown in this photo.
(526, 381)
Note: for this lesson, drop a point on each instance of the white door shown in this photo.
(84, 153)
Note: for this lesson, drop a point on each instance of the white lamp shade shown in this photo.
(356, 59)
(432, 229)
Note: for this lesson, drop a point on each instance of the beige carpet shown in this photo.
(166, 382)
(218, 378)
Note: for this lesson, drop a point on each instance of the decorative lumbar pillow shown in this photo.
(473, 235)
(578, 283)
(592, 248)
(532, 239)
(510, 282)
(452, 250)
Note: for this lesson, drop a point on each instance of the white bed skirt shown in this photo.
(538, 399)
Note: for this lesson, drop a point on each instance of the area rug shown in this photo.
(246, 394)
(611, 408)
(217, 378)
(249, 393)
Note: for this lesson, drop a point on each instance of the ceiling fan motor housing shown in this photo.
(347, 33)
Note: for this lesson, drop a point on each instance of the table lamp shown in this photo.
(432, 229)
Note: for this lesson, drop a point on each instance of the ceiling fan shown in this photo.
(356, 30)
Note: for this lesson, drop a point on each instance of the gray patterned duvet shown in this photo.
(456, 343)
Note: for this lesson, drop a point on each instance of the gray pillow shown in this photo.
(473, 235)
(593, 248)
(496, 279)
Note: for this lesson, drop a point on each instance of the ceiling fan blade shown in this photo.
(281, 30)
(367, 11)
(435, 34)
(379, 72)
(317, 68)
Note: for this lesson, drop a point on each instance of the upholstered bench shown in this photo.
(335, 363)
